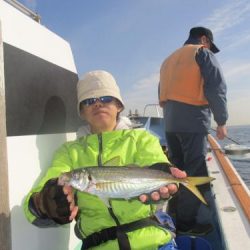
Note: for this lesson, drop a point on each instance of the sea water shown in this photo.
(241, 135)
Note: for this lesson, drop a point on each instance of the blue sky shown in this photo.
(131, 38)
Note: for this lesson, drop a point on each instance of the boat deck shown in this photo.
(232, 220)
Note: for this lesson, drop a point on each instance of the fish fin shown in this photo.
(196, 181)
(105, 200)
(196, 192)
(191, 183)
(162, 166)
(113, 162)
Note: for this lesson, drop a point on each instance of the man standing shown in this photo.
(191, 87)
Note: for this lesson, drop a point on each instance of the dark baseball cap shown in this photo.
(197, 32)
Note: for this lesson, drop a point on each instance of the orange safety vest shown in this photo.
(181, 79)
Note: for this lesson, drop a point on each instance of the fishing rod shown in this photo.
(229, 138)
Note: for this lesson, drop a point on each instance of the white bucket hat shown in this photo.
(95, 84)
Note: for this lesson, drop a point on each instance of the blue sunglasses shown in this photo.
(102, 99)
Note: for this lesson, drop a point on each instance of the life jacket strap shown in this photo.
(117, 232)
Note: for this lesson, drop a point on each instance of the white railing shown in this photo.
(24, 10)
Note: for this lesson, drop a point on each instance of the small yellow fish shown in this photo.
(126, 182)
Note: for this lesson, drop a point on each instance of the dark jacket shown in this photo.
(182, 117)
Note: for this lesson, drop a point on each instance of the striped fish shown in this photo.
(126, 182)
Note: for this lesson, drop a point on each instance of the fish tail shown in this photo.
(192, 182)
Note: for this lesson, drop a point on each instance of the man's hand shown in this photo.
(221, 132)
(166, 191)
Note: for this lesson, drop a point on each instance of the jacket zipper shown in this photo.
(110, 209)
(99, 159)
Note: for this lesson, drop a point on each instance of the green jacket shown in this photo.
(121, 147)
